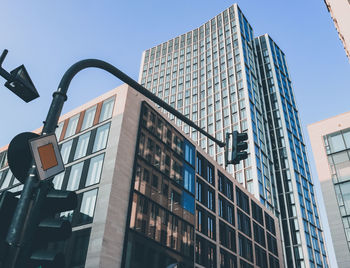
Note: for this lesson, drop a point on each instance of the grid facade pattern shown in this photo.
(82, 142)
(299, 213)
(217, 76)
(186, 210)
(210, 75)
(337, 147)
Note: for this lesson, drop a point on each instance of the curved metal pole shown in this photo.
(60, 95)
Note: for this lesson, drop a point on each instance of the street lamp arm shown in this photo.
(61, 95)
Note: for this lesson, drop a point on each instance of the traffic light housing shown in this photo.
(8, 203)
(238, 148)
(47, 227)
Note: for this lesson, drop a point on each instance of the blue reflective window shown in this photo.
(188, 202)
(189, 153)
(188, 178)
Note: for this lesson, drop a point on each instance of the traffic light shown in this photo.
(8, 203)
(238, 147)
(48, 228)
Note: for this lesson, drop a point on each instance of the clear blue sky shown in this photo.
(49, 36)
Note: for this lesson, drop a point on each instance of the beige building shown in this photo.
(148, 196)
(340, 12)
(330, 141)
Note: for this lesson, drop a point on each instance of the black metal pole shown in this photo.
(22, 213)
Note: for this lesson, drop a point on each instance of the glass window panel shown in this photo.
(101, 138)
(89, 118)
(336, 142)
(107, 109)
(65, 151)
(340, 157)
(58, 130)
(345, 191)
(74, 177)
(347, 138)
(7, 180)
(82, 145)
(58, 180)
(88, 206)
(72, 126)
(95, 168)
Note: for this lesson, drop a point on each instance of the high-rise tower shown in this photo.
(211, 74)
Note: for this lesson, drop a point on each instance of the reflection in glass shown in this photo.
(87, 206)
(58, 180)
(95, 168)
(82, 145)
(7, 180)
(89, 118)
(74, 177)
(101, 138)
(65, 151)
(107, 109)
(58, 130)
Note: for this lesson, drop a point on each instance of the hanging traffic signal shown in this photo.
(238, 146)
(48, 228)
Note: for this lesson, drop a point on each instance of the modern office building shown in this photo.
(224, 79)
(330, 141)
(340, 10)
(150, 197)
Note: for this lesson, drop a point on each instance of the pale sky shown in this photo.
(49, 36)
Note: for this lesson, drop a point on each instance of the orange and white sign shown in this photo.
(47, 156)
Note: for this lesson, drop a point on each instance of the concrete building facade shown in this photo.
(330, 141)
(339, 11)
(148, 196)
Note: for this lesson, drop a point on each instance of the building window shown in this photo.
(82, 145)
(88, 118)
(7, 180)
(95, 169)
(87, 206)
(101, 138)
(189, 153)
(58, 180)
(81, 241)
(65, 151)
(58, 130)
(242, 200)
(74, 176)
(188, 178)
(107, 109)
(72, 126)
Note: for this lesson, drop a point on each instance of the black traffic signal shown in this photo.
(238, 147)
(8, 203)
(48, 228)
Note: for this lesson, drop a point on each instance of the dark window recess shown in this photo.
(259, 235)
(225, 186)
(272, 244)
(243, 222)
(274, 263)
(227, 236)
(257, 213)
(205, 253)
(260, 257)
(80, 240)
(205, 169)
(270, 223)
(245, 248)
(242, 200)
(227, 260)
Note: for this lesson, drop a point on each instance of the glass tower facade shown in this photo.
(217, 76)
(299, 213)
